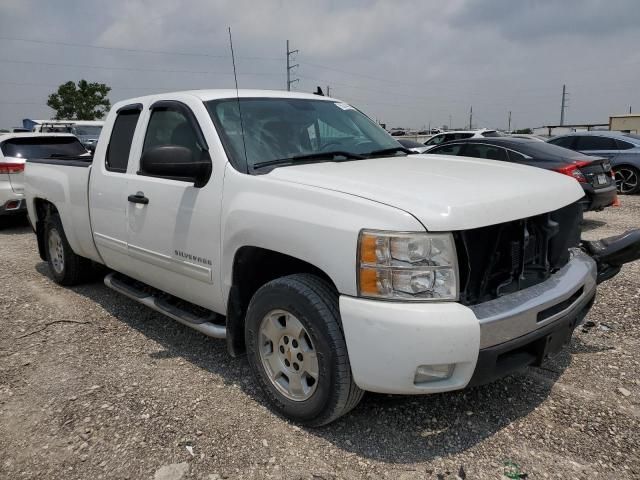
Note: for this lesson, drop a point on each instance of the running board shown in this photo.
(201, 324)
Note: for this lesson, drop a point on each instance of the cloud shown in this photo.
(411, 62)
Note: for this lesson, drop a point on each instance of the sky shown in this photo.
(407, 63)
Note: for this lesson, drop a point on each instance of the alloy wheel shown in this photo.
(288, 355)
(626, 180)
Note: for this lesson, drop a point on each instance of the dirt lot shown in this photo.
(93, 385)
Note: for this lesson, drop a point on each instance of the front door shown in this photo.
(174, 227)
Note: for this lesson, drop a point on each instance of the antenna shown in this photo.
(235, 77)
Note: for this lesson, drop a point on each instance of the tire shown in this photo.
(314, 304)
(627, 180)
(65, 266)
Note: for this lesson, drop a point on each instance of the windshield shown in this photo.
(286, 128)
(42, 147)
(87, 130)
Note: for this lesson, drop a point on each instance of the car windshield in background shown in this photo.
(35, 147)
(286, 131)
(87, 130)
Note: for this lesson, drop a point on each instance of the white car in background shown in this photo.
(15, 149)
(450, 136)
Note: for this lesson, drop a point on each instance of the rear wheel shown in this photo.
(297, 350)
(66, 267)
(627, 180)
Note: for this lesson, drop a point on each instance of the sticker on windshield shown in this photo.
(344, 106)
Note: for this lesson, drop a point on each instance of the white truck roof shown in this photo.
(215, 94)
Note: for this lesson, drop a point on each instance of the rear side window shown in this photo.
(437, 140)
(453, 149)
(120, 142)
(461, 136)
(589, 142)
(566, 142)
(489, 152)
(516, 157)
(43, 147)
(622, 145)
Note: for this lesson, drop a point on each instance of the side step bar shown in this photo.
(202, 324)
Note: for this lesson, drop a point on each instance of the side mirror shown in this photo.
(176, 162)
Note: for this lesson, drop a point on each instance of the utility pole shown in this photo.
(328, 91)
(290, 67)
(450, 127)
(471, 118)
(563, 107)
(629, 109)
(509, 127)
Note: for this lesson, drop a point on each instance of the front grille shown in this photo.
(507, 257)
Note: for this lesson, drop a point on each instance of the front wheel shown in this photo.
(297, 351)
(627, 180)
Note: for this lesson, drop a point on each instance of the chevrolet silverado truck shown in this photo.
(296, 228)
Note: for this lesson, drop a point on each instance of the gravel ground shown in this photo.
(93, 385)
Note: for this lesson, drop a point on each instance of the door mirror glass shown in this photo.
(176, 162)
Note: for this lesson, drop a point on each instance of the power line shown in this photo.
(145, 69)
(132, 50)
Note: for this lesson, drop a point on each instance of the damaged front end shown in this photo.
(612, 252)
(505, 258)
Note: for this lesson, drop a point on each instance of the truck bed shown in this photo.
(65, 183)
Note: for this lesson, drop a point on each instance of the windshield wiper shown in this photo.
(388, 151)
(320, 156)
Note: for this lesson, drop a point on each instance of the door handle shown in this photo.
(138, 198)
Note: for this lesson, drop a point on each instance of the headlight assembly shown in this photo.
(407, 266)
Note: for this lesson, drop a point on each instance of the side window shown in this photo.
(566, 142)
(120, 142)
(437, 140)
(461, 136)
(516, 157)
(171, 127)
(622, 145)
(592, 142)
(453, 149)
(490, 152)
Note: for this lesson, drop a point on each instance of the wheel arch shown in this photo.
(43, 209)
(252, 268)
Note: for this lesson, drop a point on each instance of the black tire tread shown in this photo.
(76, 268)
(324, 298)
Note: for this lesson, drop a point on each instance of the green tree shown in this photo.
(85, 101)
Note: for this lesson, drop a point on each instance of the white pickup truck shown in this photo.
(296, 228)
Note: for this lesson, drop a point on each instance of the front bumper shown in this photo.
(388, 341)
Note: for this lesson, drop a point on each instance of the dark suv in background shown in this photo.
(622, 150)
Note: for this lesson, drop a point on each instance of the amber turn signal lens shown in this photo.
(368, 281)
(368, 247)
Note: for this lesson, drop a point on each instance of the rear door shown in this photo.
(174, 238)
(108, 189)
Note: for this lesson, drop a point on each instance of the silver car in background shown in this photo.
(622, 149)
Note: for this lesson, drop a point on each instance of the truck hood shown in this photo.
(444, 193)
